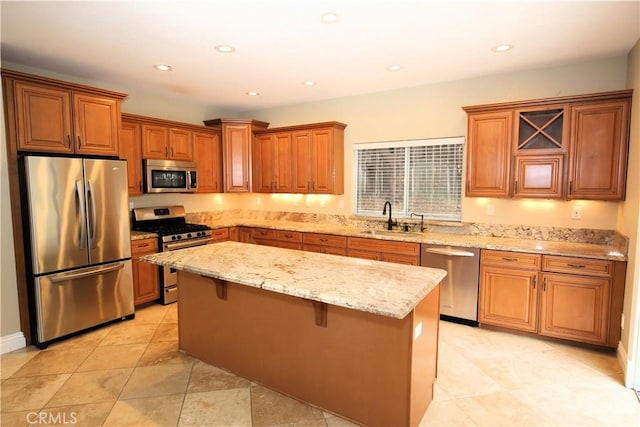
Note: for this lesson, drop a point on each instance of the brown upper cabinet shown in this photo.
(152, 138)
(237, 135)
(306, 158)
(59, 117)
(208, 156)
(570, 147)
(165, 142)
(272, 168)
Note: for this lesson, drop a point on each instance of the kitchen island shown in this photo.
(354, 337)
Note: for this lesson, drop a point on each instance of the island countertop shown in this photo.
(381, 288)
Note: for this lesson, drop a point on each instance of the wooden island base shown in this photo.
(370, 369)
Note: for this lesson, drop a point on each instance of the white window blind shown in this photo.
(419, 176)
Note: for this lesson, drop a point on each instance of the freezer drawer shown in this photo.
(79, 299)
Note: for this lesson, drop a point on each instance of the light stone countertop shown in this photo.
(381, 288)
(545, 247)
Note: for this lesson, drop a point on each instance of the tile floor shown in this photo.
(132, 374)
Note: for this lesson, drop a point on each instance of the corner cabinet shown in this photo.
(550, 148)
(237, 139)
(59, 117)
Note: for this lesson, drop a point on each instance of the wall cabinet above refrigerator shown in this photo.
(57, 117)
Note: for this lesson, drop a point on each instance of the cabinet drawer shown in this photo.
(518, 260)
(332, 250)
(581, 266)
(405, 248)
(289, 236)
(325, 240)
(264, 233)
(220, 234)
(144, 246)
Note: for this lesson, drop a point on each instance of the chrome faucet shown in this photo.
(390, 223)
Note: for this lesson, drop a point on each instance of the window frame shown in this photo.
(402, 211)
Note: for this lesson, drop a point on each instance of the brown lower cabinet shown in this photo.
(146, 279)
(577, 299)
(384, 250)
(324, 243)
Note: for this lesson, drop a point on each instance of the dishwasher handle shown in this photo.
(449, 252)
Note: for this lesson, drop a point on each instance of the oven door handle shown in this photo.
(187, 244)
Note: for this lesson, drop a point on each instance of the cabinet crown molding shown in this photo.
(164, 122)
(307, 126)
(573, 99)
(11, 74)
(227, 121)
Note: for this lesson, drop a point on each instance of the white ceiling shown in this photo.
(282, 43)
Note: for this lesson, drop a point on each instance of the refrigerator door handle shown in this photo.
(80, 211)
(64, 277)
(91, 206)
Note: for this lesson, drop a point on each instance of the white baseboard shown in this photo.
(12, 342)
(627, 366)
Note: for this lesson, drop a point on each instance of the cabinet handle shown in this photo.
(288, 236)
(171, 151)
(309, 185)
(79, 143)
(68, 141)
(140, 185)
(468, 185)
(535, 281)
(504, 258)
(577, 265)
(516, 187)
(571, 187)
(323, 240)
(166, 151)
(544, 284)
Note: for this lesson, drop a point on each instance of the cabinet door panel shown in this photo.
(599, 144)
(301, 153)
(489, 154)
(97, 122)
(208, 157)
(155, 140)
(539, 176)
(131, 151)
(322, 161)
(263, 163)
(237, 158)
(575, 308)
(508, 298)
(44, 119)
(180, 144)
(283, 170)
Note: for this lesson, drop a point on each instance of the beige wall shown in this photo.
(435, 111)
(629, 217)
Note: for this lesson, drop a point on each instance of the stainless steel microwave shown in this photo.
(169, 176)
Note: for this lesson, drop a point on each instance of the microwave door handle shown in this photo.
(80, 215)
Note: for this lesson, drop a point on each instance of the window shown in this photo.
(419, 176)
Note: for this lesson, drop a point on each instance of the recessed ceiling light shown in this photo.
(251, 93)
(394, 68)
(163, 67)
(309, 83)
(329, 18)
(225, 48)
(502, 48)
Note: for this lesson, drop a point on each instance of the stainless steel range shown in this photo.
(170, 224)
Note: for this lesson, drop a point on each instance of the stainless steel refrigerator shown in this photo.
(80, 248)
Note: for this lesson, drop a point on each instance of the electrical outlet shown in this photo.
(576, 212)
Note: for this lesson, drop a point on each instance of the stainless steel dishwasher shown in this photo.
(459, 290)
